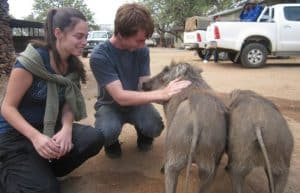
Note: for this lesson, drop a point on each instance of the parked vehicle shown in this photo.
(276, 32)
(150, 42)
(94, 38)
(195, 40)
(194, 36)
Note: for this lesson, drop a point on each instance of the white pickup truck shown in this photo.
(276, 32)
(194, 36)
(195, 40)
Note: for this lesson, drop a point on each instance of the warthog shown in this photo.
(196, 126)
(258, 136)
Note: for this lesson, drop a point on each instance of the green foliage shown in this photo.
(174, 12)
(41, 7)
(171, 14)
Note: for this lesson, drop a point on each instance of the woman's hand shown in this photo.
(46, 147)
(64, 136)
(64, 139)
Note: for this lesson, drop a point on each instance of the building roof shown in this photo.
(25, 23)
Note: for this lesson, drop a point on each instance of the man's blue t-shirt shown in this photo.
(109, 63)
(32, 106)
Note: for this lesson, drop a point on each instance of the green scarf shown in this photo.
(33, 62)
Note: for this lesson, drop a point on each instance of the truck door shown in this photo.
(289, 29)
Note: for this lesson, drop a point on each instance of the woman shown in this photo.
(38, 139)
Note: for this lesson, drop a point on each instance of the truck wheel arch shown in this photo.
(258, 39)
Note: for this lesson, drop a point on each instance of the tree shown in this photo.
(41, 7)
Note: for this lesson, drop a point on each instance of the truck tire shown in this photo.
(223, 55)
(254, 55)
(201, 53)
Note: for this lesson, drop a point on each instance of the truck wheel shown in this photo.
(254, 55)
(201, 53)
(223, 55)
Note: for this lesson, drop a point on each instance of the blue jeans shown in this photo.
(213, 52)
(110, 119)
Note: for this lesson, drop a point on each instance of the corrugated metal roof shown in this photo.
(24, 23)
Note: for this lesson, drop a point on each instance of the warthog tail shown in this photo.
(195, 137)
(265, 154)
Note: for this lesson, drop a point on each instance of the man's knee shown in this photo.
(110, 130)
(110, 134)
(151, 128)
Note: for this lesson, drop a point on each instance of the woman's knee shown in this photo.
(91, 142)
(97, 140)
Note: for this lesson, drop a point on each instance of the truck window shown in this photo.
(265, 16)
(292, 13)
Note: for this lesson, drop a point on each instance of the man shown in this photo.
(120, 65)
(251, 11)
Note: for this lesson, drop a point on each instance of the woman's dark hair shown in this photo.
(132, 17)
(65, 19)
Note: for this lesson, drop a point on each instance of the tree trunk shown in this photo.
(162, 40)
(7, 51)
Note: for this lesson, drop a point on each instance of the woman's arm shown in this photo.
(19, 82)
(64, 136)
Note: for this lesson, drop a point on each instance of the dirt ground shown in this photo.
(138, 172)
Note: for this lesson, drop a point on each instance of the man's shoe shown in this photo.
(114, 150)
(144, 143)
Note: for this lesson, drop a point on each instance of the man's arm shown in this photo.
(128, 97)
